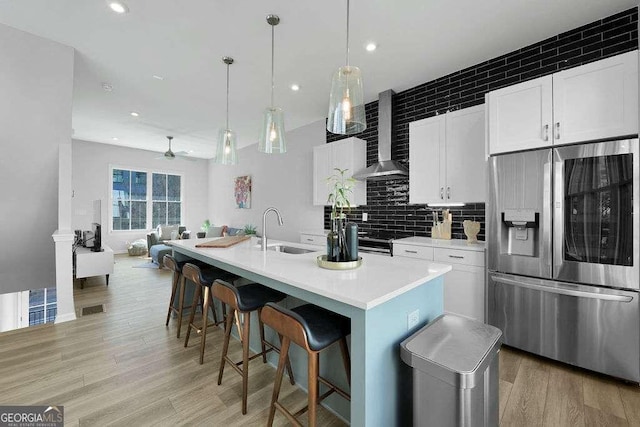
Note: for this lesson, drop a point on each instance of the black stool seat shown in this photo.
(210, 273)
(323, 327)
(254, 296)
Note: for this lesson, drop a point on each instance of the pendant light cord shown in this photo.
(347, 33)
(272, 62)
(227, 124)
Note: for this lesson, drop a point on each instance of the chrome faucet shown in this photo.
(263, 244)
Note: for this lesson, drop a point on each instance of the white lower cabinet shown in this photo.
(463, 285)
(313, 239)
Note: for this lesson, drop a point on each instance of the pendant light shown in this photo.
(226, 153)
(272, 132)
(346, 103)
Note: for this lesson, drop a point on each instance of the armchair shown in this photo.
(157, 236)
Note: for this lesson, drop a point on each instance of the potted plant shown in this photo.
(205, 227)
(249, 230)
(340, 190)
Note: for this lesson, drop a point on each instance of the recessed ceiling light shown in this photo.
(295, 87)
(155, 76)
(134, 114)
(118, 7)
(115, 138)
(371, 47)
(107, 87)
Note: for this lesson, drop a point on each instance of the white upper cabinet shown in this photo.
(520, 116)
(597, 100)
(447, 158)
(350, 154)
(594, 101)
(426, 148)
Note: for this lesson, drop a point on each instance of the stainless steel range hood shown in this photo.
(385, 168)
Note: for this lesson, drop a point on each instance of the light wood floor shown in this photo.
(123, 367)
(538, 392)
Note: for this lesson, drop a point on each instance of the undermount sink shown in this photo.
(289, 249)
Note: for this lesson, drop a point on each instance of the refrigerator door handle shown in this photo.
(556, 288)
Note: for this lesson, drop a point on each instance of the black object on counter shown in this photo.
(352, 241)
(333, 244)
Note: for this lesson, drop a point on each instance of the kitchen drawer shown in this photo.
(457, 256)
(313, 239)
(412, 251)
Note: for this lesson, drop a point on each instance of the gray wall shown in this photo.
(281, 180)
(36, 83)
(91, 181)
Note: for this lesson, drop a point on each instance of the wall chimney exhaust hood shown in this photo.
(385, 167)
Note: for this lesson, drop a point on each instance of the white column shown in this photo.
(64, 275)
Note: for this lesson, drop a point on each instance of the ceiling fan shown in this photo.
(170, 155)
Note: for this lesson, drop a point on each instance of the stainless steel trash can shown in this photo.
(455, 372)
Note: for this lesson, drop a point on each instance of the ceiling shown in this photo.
(183, 42)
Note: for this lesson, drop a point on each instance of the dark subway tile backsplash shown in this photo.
(388, 201)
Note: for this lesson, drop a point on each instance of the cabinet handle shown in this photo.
(410, 252)
(442, 193)
(545, 132)
(456, 256)
(557, 130)
(448, 192)
(309, 240)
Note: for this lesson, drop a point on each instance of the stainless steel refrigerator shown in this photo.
(563, 254)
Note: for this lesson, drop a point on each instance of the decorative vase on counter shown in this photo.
(338, 248)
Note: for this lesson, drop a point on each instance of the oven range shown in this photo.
(378, 241)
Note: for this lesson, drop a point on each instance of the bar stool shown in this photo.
(313, 328)
(204, 278)
(244, 300)
(178, 283)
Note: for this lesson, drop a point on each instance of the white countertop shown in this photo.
(379, 279)
(441, 243)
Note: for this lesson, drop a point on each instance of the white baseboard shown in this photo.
(60, 318)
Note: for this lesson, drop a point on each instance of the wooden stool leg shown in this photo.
(237, 317)
(205, 321)
(225, 346)
(346, 359)
(174, 287)
(196, 297)
(183, 284)
(287, 361)
(262, 346)
(313, 371)
(284, 357)
(245, 360)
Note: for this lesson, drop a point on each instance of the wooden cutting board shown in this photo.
(224, 242)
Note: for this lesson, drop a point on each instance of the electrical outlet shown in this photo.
(365, 217)
(413, 319)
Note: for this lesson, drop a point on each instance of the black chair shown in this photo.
(204, 278)
(313, 328)
(245, 300)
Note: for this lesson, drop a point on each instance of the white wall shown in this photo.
(36, 83)
(91, 181)
(280, 180)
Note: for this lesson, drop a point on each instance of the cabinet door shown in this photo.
(597, 100)
(465, 158)
(426, 141)
(321, 170)
(520, 116)
(351, 154)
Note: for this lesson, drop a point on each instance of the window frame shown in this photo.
(149, 198)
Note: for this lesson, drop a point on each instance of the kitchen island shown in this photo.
(377, 297)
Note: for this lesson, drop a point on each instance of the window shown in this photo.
(42, 306)
(166, 199)
(138, 203)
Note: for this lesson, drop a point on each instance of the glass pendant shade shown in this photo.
(272, 132)
(346, 102)
(226, 152)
